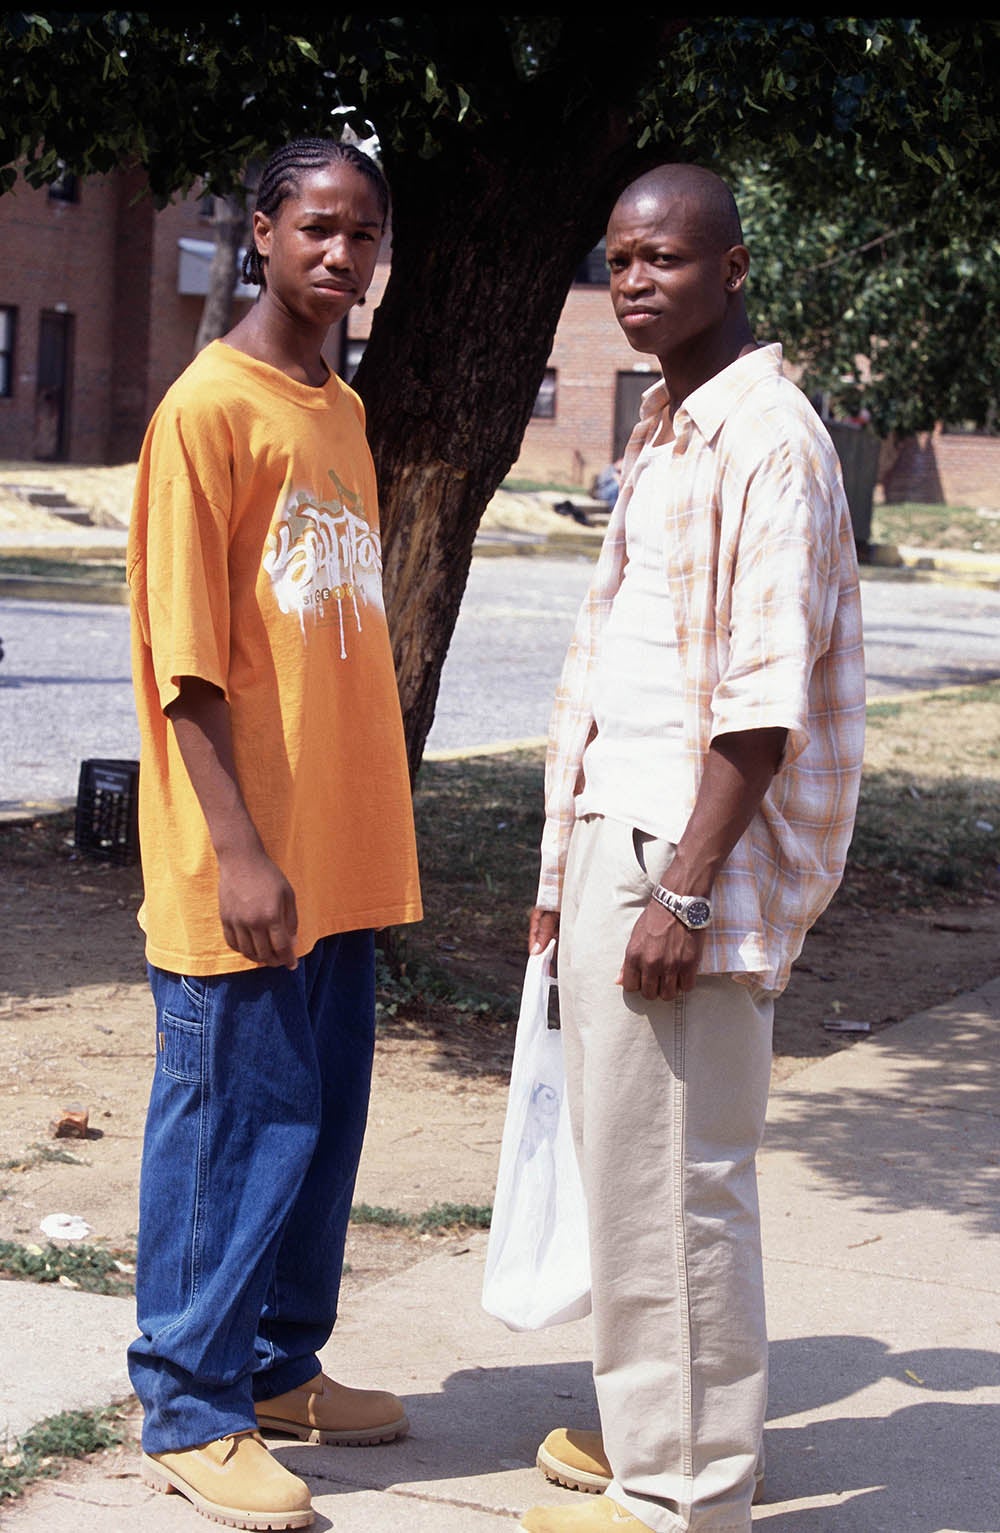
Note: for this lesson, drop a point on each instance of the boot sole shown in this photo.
(347, 1437)
(573, 1479)
(156, 1477)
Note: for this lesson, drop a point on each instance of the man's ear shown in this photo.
(262, 234)
(736, 265)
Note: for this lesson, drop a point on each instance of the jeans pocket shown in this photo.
(194, 989)
(653, 856)
(640, 840)
(181, 1049)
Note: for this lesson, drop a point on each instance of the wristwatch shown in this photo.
(692, 910)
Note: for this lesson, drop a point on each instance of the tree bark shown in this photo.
(489, 233)
(229, 224)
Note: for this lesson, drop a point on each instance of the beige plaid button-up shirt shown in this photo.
(764, 584)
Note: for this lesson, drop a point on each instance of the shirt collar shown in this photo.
(709, 405)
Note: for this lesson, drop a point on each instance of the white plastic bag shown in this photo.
(537, 1258)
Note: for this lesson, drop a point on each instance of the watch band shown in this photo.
(693, 910)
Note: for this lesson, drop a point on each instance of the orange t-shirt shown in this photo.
(254, 563)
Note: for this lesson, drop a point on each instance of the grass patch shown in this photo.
(89, 1268)
(452, 1216)
(434, 1220)
(923, 526)
(402, 981)
(881, 713)
(42, 1154)
(384, 1218)
(540, 486)
(928, 826)
(49, 1446)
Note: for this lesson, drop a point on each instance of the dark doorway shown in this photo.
(629, 389)
(55, 372)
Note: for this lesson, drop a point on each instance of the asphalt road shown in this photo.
(65, 694)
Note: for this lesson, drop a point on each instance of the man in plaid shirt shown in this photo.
(701, 782)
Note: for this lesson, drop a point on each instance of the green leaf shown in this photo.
(306, 48)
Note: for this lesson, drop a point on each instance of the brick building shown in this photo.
(100, 299)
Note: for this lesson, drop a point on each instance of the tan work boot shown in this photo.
(575, 1458)
(235, 1481)
(323, 1411)
(593, 1517)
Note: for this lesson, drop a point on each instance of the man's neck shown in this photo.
(269, 335)
(683, 373)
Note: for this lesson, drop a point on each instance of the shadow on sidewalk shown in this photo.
(925, 1467)
(907, 1123)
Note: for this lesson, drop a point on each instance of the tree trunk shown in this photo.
(229, 224)
(489, 232)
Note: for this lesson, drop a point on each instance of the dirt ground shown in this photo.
(76, 1028)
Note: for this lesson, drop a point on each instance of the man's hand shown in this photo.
(662, 956)
(543, 925)
(256, 901)
(257, 908)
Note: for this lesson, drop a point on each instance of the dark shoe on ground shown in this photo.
(235, 1481)
(323, 1411)
(575, 1458)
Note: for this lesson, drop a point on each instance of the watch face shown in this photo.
(699, 913)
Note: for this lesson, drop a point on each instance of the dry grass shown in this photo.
(954, 527)
(105, 492)
(928, 825)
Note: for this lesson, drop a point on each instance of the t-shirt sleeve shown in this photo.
(179, 547)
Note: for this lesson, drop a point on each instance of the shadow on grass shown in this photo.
(456, 978)
(920, 839)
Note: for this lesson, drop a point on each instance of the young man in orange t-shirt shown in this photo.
(277, 833)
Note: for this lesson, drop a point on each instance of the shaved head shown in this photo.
(677, 265)
(704, 193)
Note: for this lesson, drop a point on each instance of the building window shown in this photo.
(545, 402)
(593, 269)
(7, 325)
(65, 188)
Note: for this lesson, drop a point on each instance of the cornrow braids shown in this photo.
(281, 178)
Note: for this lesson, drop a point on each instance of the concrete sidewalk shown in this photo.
(879, 1185)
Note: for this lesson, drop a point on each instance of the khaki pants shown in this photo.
(667, 1100)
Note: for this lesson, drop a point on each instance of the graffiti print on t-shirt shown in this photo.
(325, 561)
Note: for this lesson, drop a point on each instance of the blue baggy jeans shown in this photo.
(253, 1136)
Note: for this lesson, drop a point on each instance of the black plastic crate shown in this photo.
(107, 811)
